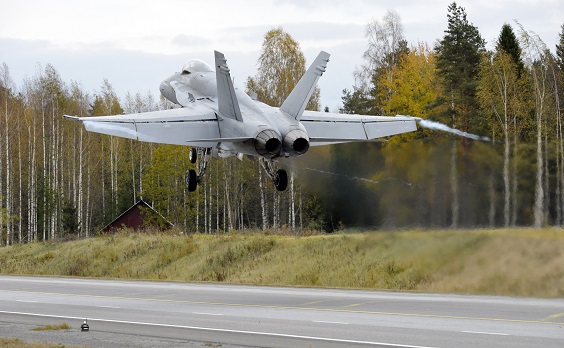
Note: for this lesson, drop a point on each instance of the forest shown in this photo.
(59, 181)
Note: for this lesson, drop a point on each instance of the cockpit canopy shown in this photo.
(195, 66)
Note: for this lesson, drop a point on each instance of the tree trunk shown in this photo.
(492, 201)
(80, 188)
(515, 176)
(538, 209)
(539, 189)
(455, 205)
(45, 179)
(8, 180)
(262, 200)
(292, 204)
(53, 175)
(20, 193)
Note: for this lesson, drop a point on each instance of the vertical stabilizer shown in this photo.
(296, 102)
(226, 99)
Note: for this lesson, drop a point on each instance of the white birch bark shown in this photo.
(262, 200)
(455, 206)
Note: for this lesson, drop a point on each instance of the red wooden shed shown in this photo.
(140, 215)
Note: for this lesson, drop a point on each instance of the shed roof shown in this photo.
(135, 218)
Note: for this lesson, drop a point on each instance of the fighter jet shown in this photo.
(219, 120)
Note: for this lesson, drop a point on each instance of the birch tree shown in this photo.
(498, 81)
(536, 60)
(280, 66)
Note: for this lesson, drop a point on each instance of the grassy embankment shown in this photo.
(518, 262)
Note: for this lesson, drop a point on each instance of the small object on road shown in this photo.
(84, 326)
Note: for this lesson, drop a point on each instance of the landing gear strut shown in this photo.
(279, 177)
(193, 178)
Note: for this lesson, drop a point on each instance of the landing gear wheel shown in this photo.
(281, 181)
(193, 155)
(191, 180)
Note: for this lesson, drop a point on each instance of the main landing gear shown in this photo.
(193, 178)
(279, 177)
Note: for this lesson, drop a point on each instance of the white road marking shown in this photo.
(486, 333)
(200, 313)
(258, 333)
(330, 322)
(108, 307)
(26, 301)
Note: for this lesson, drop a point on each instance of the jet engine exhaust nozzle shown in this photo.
(267, 143)
(296, 142)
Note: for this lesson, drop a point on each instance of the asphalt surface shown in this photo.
(160, 314)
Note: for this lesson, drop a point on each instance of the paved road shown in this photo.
(159, 314)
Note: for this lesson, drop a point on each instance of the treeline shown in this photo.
(512, 94)
(56, 179)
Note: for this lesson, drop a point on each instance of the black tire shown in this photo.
(281, 181)
(191, 180)
(193, 156)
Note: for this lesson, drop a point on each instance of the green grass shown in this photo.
(521, 262)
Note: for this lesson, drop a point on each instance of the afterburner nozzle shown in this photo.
(296, 142)
(267, 143)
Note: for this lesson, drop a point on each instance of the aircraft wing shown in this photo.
(183, 126)
(325, 128)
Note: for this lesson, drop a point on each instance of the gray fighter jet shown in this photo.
(219, 120)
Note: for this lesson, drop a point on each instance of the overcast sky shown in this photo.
(136, 44)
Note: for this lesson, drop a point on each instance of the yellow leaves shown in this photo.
(411, 86)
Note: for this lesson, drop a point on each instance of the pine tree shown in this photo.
(560, 50)
(508, 42)
(458, 61)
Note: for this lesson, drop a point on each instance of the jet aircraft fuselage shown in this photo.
(266, 131)
(219, 120)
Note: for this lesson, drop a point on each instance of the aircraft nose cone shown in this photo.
(164, 86)
(167, 91)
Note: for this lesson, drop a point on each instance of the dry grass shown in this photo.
(522, 262)
(56, 327)
(16, 343)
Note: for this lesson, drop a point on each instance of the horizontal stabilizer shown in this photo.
(325, 128)
(297, 101)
